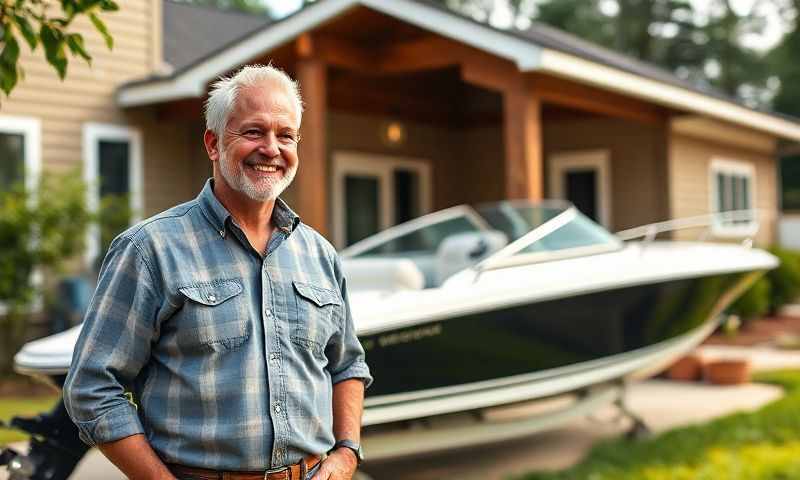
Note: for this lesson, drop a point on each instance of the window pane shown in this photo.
(581, 189)
(362, 203)
(745, 189)
(720, 192)
(114, 168)
(406, 196)
(114, 188)
(12, 159)
(736, 192)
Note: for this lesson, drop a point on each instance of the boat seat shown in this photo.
(382, 274)
(463, 250)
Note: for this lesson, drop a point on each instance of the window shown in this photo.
(374, 192)
(732, 190)
(113, 171)
(584, 179)
(20, 152)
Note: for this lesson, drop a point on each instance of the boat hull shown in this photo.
(470, 355)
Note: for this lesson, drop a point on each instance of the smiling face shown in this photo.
(257, 155)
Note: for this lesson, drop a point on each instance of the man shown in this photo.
(219, 343)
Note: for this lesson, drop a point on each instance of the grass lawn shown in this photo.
(748, 446)
(13, 406)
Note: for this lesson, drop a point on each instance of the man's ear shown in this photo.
(211, 142)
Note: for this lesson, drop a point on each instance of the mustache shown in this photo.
(259, 159)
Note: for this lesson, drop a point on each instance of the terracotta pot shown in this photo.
(686, 369)
(728, 372)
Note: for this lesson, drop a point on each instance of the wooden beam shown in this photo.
(338, 51)
(522, 132)
(558, 91)
(311, 181)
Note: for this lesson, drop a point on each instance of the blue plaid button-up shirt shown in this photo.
(230, 354)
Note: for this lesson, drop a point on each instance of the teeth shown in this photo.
(266, 168)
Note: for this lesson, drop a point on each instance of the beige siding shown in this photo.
(638, 164)
(87, 94)
(689, 173)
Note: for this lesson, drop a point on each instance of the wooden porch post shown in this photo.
(312, 177)
(522, 133)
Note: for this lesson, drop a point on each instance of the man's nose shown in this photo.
(269, 145)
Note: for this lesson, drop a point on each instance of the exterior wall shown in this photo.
(87, 93)
(638, 164)
(362, 134)
(689, 178)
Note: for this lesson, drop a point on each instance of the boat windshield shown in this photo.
(461, 237)
(562, 227)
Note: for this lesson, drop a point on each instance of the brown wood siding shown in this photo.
(689, 173)
(87, 95)
(638, 163)
(466, 163)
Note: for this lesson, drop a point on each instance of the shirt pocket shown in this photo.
(317, 309)
(216, 318)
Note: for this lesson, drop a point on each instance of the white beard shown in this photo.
(262, 191)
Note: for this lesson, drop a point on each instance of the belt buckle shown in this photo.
(270, 471)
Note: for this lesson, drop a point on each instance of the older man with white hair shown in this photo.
(219, 343)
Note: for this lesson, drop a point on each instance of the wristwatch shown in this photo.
(355, 447)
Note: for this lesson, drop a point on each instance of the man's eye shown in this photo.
(252, 133)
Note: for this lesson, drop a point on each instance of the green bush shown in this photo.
(754, 302)
(37, 234)
(785, 279)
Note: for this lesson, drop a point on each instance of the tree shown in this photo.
(783, 61)
(47, 23)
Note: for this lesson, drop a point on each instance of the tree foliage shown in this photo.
(47, 23)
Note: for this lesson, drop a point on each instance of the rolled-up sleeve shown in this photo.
(113, 346)
(345, 354)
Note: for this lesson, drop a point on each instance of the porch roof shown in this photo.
(538, 49)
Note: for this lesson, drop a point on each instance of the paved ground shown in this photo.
(662, 404)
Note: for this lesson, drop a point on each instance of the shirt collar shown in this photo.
(216, 213)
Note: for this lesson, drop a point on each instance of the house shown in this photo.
(410, 108)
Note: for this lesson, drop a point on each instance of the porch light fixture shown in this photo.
(393, 133)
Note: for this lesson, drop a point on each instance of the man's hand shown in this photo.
(341, 464)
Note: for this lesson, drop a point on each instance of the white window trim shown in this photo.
(93, 133)
(731, 167)
(31, 130)
(380, 166)
(561, 163)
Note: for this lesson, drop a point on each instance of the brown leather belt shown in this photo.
(291, 472)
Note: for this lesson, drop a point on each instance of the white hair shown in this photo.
(225, 91)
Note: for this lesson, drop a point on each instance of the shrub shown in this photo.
(754, 302)
(37, 235)
(785, 279)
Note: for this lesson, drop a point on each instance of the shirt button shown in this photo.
(277, 408)
(268, 312)
(212, 298)
(273, 357)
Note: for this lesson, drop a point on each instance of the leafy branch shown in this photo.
(48, 23)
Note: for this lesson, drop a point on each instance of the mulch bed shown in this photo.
(759, 332)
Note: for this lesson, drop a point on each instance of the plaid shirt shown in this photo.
(230, 355)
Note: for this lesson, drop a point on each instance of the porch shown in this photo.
(400, 122)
